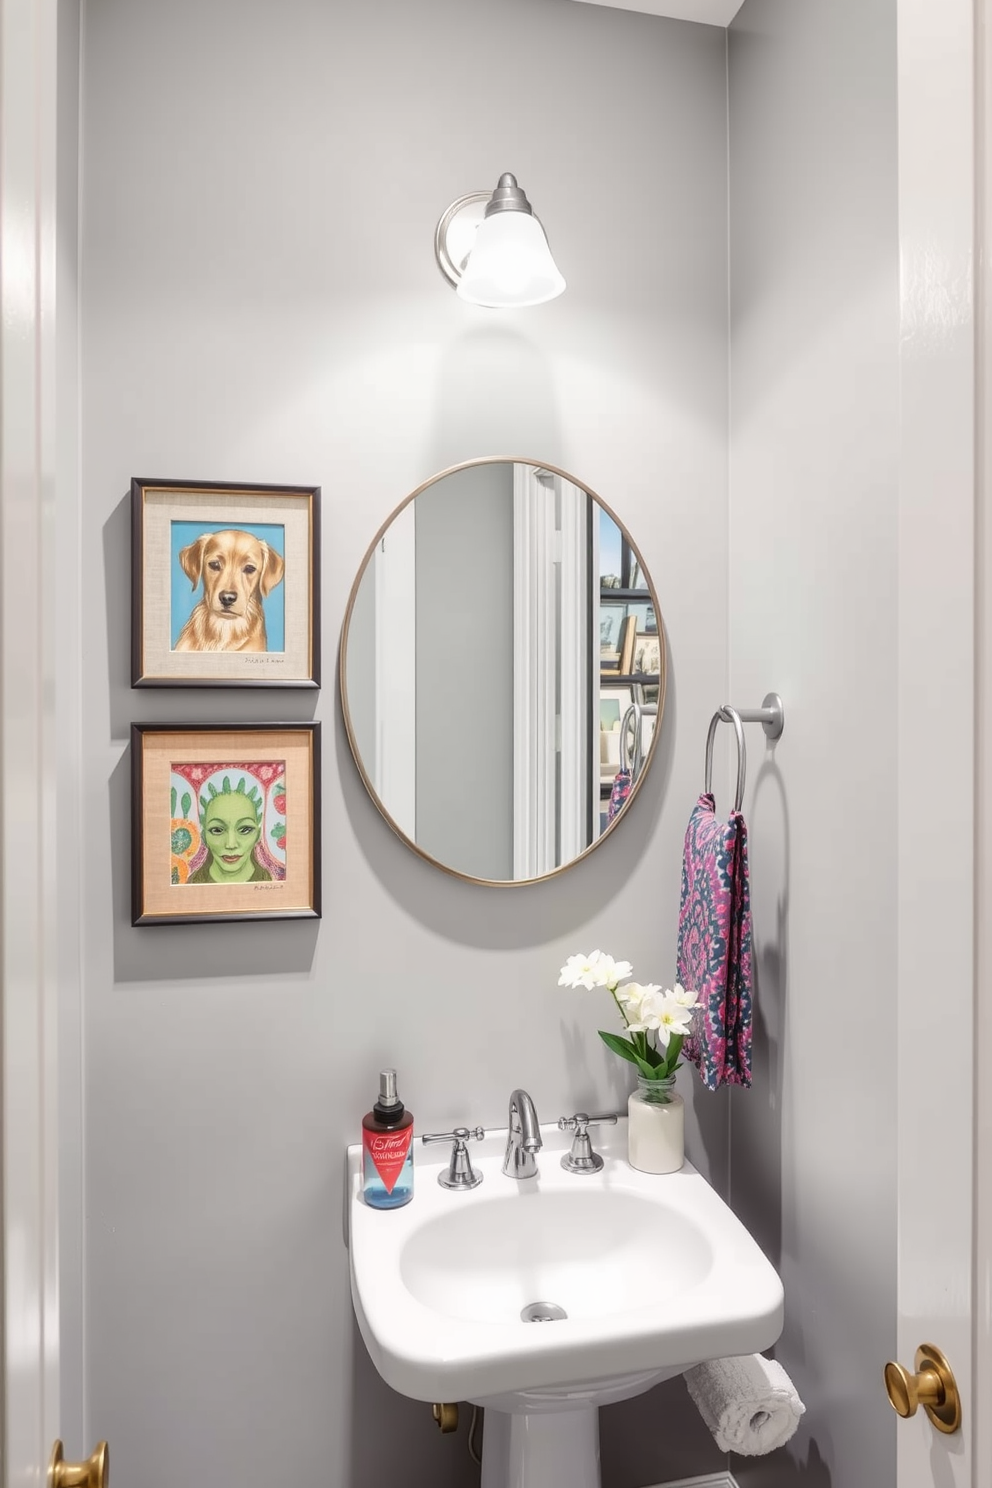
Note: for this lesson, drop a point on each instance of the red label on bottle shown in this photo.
(388, 1152)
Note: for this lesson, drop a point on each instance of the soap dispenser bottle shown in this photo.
(387, 1148)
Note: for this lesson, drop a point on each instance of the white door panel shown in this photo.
(982, 1301)
(935, 968)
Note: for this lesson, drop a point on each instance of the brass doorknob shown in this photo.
(95, 1473)
(933, 1386)
(446, 1416)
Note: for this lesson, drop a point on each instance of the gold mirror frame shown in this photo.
(496, 883)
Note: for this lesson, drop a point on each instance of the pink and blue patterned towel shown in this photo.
(714, 956)
(619, 793)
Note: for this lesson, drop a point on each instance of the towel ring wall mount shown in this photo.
(771, 716)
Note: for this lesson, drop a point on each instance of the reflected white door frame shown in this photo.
(576, 827)
(551, 671)
(396, 670)
(535, 714)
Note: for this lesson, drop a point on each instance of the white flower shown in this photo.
(579, 971)
(651, 1010)
(609, 972)
(632, 994)
(673, 1019)
(640, 1006)
(595, 970)
(683, 998)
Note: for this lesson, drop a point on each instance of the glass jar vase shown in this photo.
(656, 1126)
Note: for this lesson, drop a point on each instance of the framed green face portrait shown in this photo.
(225, 822)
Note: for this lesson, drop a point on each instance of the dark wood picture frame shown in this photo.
(225, 584)
(646, 654)
(256, 788)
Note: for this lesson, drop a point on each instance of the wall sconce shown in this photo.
(496, 254)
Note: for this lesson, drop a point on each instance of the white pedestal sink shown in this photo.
(652, 1273)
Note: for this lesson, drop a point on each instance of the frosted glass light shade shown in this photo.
(510, 264)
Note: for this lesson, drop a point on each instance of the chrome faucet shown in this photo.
(524, 1138)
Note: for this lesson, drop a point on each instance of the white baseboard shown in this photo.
(711, 1480)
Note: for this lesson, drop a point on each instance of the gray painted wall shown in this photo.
(814, 438)
(260, 186)
(465, 670)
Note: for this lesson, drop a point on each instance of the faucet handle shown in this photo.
(581, 1158)
(580, 1122)
(460, 1172)
(460, 1134)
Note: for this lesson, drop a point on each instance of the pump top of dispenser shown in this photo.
(388, 1108)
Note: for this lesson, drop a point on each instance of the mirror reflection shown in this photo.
(503, 670)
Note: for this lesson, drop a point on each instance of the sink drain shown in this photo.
(543, 1312)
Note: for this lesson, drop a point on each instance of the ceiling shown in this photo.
(709, 12)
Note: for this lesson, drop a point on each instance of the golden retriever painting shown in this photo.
(238, 570)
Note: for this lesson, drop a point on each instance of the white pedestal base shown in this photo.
(554, 1449)
(549, 1437)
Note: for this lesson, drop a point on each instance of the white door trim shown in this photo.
(934, 969)
(28, 738)
(982, 1469)
(64, 551)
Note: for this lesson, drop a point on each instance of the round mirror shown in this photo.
(503, 670)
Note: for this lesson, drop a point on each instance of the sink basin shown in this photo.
(588, 1249)
(644, 1275)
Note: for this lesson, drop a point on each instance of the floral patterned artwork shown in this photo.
(228, 822)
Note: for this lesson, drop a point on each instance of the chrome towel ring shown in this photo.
(771, 716)
(632, 737)
(727, 714)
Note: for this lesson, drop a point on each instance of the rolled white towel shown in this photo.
(749, 1403)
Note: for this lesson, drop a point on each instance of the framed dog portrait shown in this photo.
(225, 823)
(225, 585)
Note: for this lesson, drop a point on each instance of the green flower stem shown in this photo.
(670, 1062)
(613, 994)
(638, 1049)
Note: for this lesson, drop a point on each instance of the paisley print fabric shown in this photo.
(714, 956)
(618, 795)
